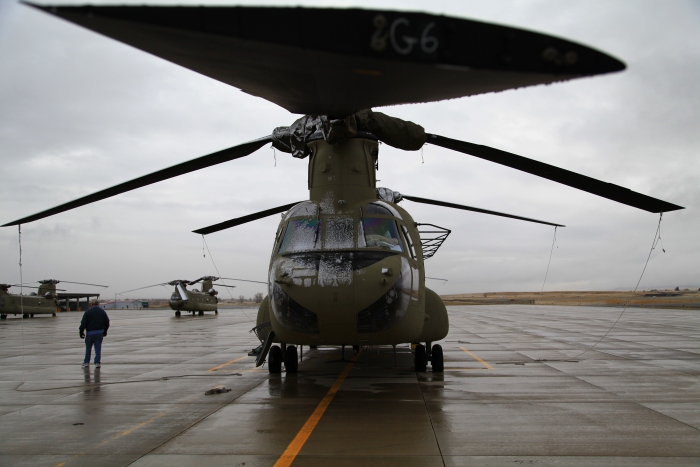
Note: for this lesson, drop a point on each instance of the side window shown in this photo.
(407, 237)
(380, 233)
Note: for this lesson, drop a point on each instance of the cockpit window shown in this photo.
(339, 233)
(376, 209)
(301, 234)
(379, 233)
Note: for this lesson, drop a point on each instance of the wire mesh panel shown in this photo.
(432, 239)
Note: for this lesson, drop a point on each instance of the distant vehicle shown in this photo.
(194, 301)
(45, 301)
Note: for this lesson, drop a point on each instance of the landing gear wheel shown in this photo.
(3, 316)
(177, 314)
(356, 349)
(25, 316)
(437, 363)
(201, 313)
(32, 315)
(54, 315)
(421, 358)
(216, 312)
(313, 347)
(291, 363)
(274, 360)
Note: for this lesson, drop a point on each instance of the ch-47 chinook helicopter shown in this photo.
(45, 301)
(194, 301)
(347, 265)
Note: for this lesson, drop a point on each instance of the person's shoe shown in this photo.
(97, 365)
(85, 365)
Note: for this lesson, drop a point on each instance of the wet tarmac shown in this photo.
(516, 390)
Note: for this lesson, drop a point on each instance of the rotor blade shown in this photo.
(436, 279)
(141, 288)
(83, 283)
(416, 199)
(222, 285)
(243, 280)
(591, 185)
(242, 220)
(183, 292)
(225, 155)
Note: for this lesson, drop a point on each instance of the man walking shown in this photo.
(96, 322)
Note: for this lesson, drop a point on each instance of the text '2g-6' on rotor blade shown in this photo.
(218, 157)
(445, 204)
(242, 220)
(550, 172)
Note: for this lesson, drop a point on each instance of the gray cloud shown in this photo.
(81, 112)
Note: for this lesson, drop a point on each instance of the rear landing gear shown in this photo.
(421, 358)
(291, 363)
(201, 313)
(177, 314)
(54, 315)
(25, 316)
(4, 316)
(274, 360)
(216, 312)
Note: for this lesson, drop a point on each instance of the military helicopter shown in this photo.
(194, 301)
(45, 301)
(347, 265)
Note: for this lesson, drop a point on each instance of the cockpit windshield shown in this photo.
(301, 235)
(378, 233)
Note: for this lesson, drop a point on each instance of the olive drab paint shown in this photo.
(346, 266)
(43, 302)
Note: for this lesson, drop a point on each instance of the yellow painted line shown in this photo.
(227, 363)
(60, 465)
(488, 367)
(300, 439)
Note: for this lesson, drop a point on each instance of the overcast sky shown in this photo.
(80, 112)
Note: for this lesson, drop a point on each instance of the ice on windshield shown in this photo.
(301, 235)
(339, 233)
(379, 233)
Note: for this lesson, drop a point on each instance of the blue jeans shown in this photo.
(96, 340)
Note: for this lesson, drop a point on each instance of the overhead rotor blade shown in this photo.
(225, 155)
(436, 279)
(141, 288)
(183, 292)
(83, 283)
(242, 220)
(416, 199)
(242, 280)
(591, 185)
(222, 285)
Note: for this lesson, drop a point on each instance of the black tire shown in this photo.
(201, 313)
(5, 316)
(437, 362)
(216, 312)
(25, 316)
(421, 358)
(32, 315)
(291, 360)
(177, 314)
(313, 347)
(274, 360)
(54, 315)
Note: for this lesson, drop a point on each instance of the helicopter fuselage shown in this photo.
(183, 299)
(347, 267)
(43, 302)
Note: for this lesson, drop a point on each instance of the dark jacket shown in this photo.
(94, 319)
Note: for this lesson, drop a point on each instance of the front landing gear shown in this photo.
(177, 314)
(436, 361)
(434, 357)
(291, 362)
(421, 358)
(274, 360)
